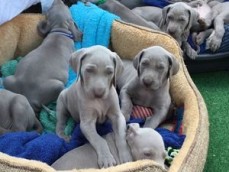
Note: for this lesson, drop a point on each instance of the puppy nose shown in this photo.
(99, 92)
(147, 81)
(171, 31)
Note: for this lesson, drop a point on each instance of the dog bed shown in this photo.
(127, 40)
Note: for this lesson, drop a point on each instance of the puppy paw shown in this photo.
(125, 156)
(106, 161)
(191, 53)
(213, 43)
(199, 39)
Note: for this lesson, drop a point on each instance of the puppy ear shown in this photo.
(76, 61)
(43, 28)
(173, 65)
(118, 67)
(137, 60)
(77, 34)
(165, 11)
(193, 18)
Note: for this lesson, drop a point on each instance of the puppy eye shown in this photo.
(161, 67)
(170, 18)
(182, 20)
(90, 70)
(147, 154)
(145, 63)
(109, 72)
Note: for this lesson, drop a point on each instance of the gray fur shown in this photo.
(125, 13)
(93, 99)
(146, 83)
(143, 143)
(16, 113)
(40, 76)
(175, 19)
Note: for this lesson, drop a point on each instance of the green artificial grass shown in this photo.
(214, 88)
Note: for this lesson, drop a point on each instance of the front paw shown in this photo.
(125, 156)
(106, 160)
(192, 54)
(213, 43)
(200, 39)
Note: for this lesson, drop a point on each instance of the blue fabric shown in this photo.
(95, 24)
(157, 3)
(47, 147)
(170, 138)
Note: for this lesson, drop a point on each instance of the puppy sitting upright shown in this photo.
(93, 99)
(40, 76)
(146, 83)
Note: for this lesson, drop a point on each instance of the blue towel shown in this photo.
(47, 147)
(95, 24)
(170, 138)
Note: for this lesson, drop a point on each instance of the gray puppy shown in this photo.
(144, 143)
(40, 76)
(176, 19)
(220, 15)
(145, 82)
(93, 99)
(16, 113)
(124, 13)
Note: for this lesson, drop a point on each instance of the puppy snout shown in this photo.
(171, 31)
(99, 92)
(148, 81)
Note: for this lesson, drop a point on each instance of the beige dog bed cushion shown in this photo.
(127, 40)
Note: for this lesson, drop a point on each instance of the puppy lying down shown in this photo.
(16, 114)
(144, 143)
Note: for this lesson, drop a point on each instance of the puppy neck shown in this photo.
(63, 32)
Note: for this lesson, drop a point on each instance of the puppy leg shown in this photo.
(188, 50)
(215, 39)
(119, 129)
(62, 117)
(87, 125)
(155, 120)
(126, 104)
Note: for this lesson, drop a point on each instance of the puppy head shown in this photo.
(154, 66)
(59, 17)
(97, 68)
(177, 19)
(145, 143)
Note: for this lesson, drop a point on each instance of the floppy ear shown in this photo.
(165, 11)
(193, 18)
(173, 65)
(76, 61)
(77, 34)
(118, 67)
(137, 60)
(43, 28)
